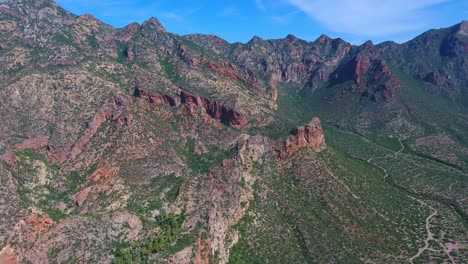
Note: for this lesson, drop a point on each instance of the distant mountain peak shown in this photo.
(291, 37)
(323, 38)
(153, 23)
(463, 28)
(256, 38)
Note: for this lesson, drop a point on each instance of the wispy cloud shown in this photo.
(284, 19)
(369, 17)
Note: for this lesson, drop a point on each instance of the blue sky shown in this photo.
(353, 20)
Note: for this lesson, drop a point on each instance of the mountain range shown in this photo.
(136, 145)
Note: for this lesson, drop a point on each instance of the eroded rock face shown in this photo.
(157, 99)
(213, 108)
(371, 76)
(310, 135)
(230, 70)
(7, 256)
(216, 110)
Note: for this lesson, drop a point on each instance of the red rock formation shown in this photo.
(7, 256)
(230, 70)
(310, 135)
(361, 65)
(39, 224)
(34, 143)
(295, 72)
(373, 77)
(203, 252)
(216, 110)
(103, 174)
(156, 99)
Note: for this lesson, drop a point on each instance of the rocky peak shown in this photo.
(323, 39)
(30, 7)
(127, 32)
(153, 24)
(291, 38)
(456, 44)
(256, 39)
(463, 28)
(368, 49)
(30, 3)
(310, 135)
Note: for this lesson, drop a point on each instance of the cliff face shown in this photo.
(369, 74)
(216, 110)
(310, 135)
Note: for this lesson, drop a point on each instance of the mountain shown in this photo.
(128, 145)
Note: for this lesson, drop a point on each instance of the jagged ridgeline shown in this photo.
(135, 145)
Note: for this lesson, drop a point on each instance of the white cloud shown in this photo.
(284, 19)
(369, 17)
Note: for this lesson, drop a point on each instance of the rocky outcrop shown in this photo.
(310, 135)
(229, 199)
(39, 224)
(157, 99)
(103, 174)
(371, 76)
(7, 256)
(230, 70)
(33, 143)
(215, 109)
(434, 78)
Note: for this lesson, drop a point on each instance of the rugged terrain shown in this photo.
(137, 145)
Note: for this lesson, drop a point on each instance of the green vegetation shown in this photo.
(169, 69)
(169, 228)
(201, 163)
(145, 199)
(40, 183)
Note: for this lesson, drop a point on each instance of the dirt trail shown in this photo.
(430, 235)
(402, 147)
(434, 212)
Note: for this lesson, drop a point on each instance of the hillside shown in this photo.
(129, 145)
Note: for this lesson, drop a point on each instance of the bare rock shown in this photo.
(7, 256)
(310, 135)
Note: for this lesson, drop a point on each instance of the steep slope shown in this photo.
(137, 145)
